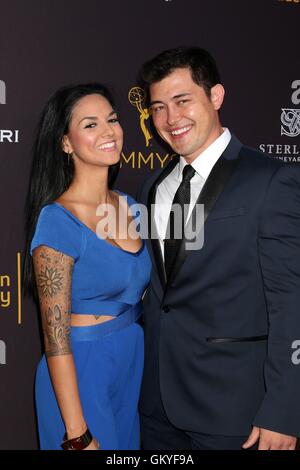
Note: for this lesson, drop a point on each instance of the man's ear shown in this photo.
(217, 93)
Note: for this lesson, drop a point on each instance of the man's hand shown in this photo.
(270, 440)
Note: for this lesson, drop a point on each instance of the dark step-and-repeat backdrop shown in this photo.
(45, 44)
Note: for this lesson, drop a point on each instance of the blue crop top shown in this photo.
(107, 280)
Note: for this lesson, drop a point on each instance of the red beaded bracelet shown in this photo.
(77, 443)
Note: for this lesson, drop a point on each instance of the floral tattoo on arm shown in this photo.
(50, 281)
(53, 272)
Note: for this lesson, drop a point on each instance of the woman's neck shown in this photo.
(90, 187)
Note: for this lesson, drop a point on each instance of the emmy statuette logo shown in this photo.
(149, 157)
(136, 97)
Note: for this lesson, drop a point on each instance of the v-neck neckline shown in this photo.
(118, 247)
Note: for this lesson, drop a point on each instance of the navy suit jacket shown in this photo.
(219, 333)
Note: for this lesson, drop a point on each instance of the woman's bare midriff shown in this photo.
(78, 319)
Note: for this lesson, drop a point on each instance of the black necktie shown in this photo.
(182, 197)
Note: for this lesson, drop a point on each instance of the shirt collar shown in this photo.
(204, 163)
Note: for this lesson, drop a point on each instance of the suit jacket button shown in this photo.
(166, 308)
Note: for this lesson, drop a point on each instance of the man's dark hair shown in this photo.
(202, 65)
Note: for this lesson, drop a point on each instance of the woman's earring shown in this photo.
(69, 155)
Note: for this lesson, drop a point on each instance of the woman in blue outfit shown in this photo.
(89, 268)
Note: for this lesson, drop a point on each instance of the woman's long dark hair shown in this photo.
(51, 170)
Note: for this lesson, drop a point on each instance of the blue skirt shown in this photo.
(109, 363)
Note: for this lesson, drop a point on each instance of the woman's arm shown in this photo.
(53, 272)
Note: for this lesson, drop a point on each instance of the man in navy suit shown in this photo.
(221, 320)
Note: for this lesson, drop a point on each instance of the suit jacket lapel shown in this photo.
(213, 187)
(153, 237)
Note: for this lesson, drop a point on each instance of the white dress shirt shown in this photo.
(166, 190)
